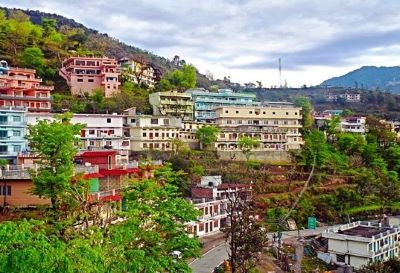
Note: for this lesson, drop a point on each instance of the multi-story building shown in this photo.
(85, 74)
(139, 71)
(275, 126)
(172, 103)
(205, 102)
(354, 125)
(153, 132)
(211, 198)
(12, 133)
(19, 88)
(102, 131)
(360, 243)
(188, 133)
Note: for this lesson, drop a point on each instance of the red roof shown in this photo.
(117, 197)
(98, 153)
(116, 172)
(92, 175)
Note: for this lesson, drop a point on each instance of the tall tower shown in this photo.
(280, 73)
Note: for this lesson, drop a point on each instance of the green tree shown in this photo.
(180, 79)
(33, 57)
(307, 109)
(332, 126)
(54, 144)
(247, 144)
(351, 143)
(207, 135)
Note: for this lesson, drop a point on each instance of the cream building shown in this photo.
(153, 132)
(275, 126)
(141, 71)
(172, 103)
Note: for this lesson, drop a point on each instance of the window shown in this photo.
(90, 80)
(229, 121)
(264, 113)
(16, 118)
(108, 120)
(250, 112)
(156, 145)
(166, 121)
(156, 134)
(285, 122)
(295, 113)
(154, 121)
(5, 190)
(287, 113)
(239, 121)
(3, 134)
(91, 132)
(3, 119)
(222, 135)
(17, 148)
(276, 122)
(144, 134)
(108, 143)
(237, 112)
(133, 120)
(79, 80)
(226, 112)
(144, 145)
(91, 143)
(16, 133)
(273, 113)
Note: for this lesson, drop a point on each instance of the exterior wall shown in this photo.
(12, 133)
(21, 196)
(276, 128)
(145, 71)
(152, 132)
(19, 88)
(172, 103)
(101, 131)
(270, 156)
(354, 125)
(205, 102)
(84, 74)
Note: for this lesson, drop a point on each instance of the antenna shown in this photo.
(280, 73)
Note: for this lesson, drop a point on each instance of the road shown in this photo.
(214, 257)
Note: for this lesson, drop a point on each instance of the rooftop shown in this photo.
(364, 231)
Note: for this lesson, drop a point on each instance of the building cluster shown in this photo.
(351, 124)
(347, 97)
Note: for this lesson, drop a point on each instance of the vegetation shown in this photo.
(207, 135)
(247, 144)
(179, 79)
(54, 143)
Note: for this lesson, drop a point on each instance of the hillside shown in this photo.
(78, 39)
(369, 77)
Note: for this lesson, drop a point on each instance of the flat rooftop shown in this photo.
(364, 231)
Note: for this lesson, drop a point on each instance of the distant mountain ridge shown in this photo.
(369, 77)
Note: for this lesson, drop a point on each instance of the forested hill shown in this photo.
(370, 77)
(53, 37)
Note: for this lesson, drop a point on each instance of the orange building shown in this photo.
(19, 88)
(84, 74)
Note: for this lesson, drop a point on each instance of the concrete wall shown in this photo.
(269, 156)
(21, 196)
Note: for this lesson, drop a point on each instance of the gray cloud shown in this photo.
(242, 34)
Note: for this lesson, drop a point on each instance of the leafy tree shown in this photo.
(332, 126)
(180, 79)
(305, 104)
(33, 57)
(54, 143)
(247, 144)
(207, 136)
(351, 143)
(392, 156)
(178, 178)
(390, 266)
(154, 228)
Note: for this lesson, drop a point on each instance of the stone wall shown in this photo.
(267, 156)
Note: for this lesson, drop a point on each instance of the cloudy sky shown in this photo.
(244, 39)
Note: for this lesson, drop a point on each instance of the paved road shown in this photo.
(214, 257)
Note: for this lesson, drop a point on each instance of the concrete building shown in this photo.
(19, 88)
(172, 103)
(275, 126)
(205, 102)
(12, 133)
(354, 125)
(360, 243)
(153, 132)
(102, 131)
(139, 71)
(211, 198)
(84, 74)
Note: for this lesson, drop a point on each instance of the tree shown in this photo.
(332, 126)
(247, 144)
(33, 57)
(180, 79)
(390, 266)
(54, 144)
(307, 109)
(153, 230)
(207, 136)
(245, 234)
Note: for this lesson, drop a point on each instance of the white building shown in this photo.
(360, 243)
(102, 131)
(354, 125)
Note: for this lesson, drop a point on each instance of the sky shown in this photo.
(244, 39)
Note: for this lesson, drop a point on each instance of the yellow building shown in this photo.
(275, 126)
(172, 103)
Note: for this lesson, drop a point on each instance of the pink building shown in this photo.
(84, 74)
(19, 88)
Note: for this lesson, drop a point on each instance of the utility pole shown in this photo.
(280, 73)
